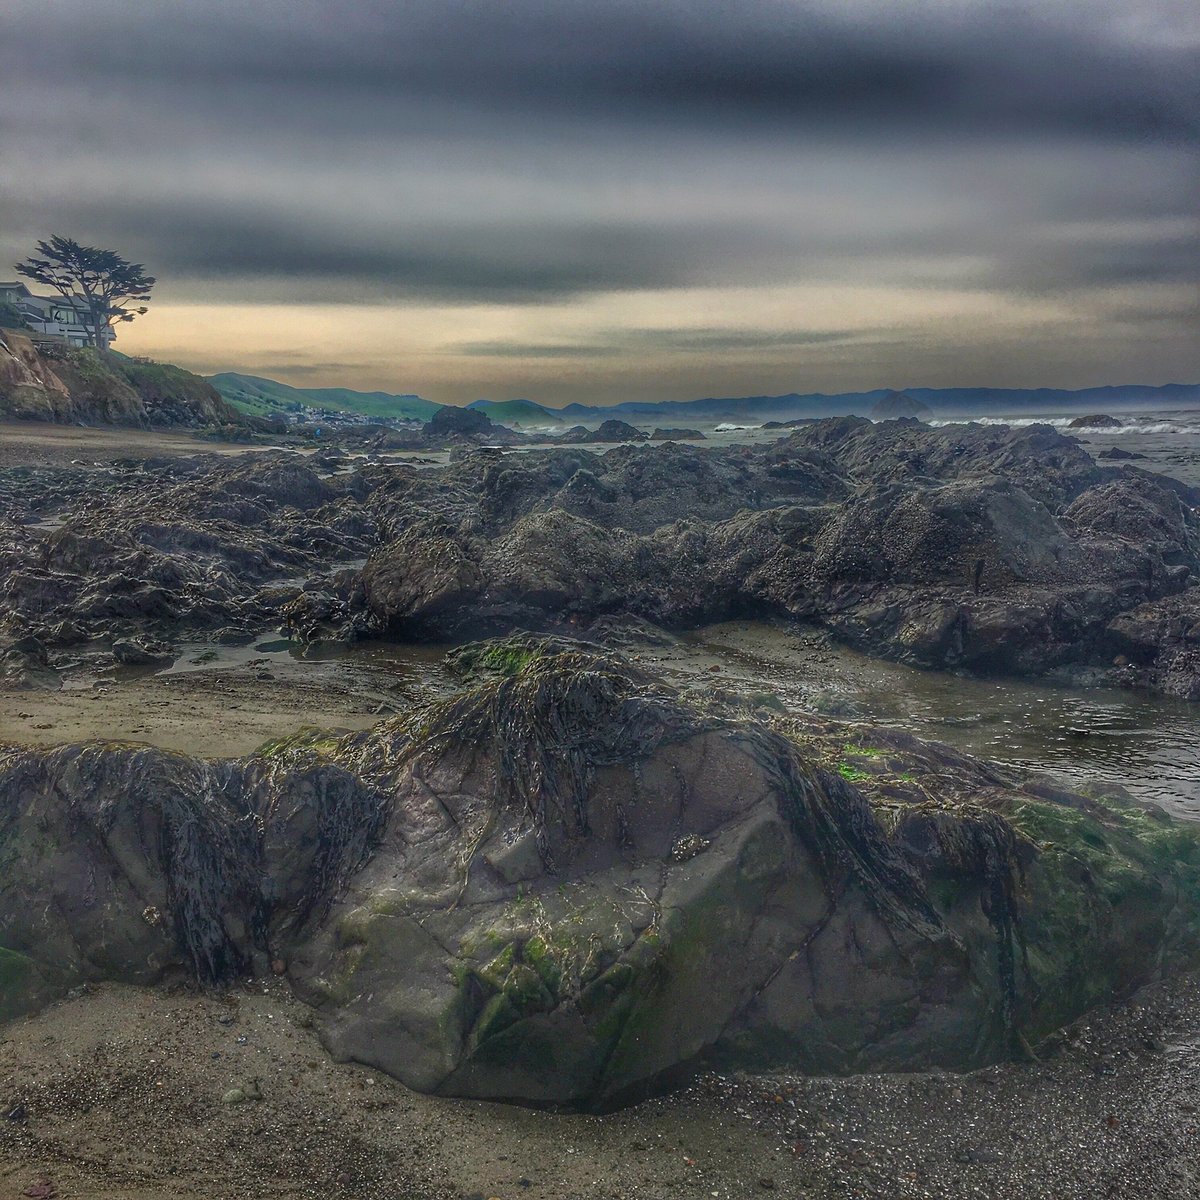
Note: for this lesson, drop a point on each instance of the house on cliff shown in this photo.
(54, 317)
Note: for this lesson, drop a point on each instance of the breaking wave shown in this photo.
(1124, 430)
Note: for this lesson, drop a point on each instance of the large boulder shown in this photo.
(554, 570)
(677, 435)
(1144, 511)
(1157, 645)
(430, 570)
(463, 422)
(978, 533)
(569, 885)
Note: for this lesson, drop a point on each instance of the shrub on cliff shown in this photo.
(10, 316)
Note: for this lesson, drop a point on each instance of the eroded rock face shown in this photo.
(569, 885)
(29, 389)
(79, 385)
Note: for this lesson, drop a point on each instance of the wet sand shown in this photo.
(219, 701)
(210, 715)
(30, 444)
(120, 1094)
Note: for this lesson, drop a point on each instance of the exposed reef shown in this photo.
(963, 547)
(568, 884)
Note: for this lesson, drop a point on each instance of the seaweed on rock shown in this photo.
(157, 860)
(660, 882)
(831, 815)
(974, 844)
(319, 824)
(551, 725)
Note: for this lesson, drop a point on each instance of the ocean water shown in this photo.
(1148, 744)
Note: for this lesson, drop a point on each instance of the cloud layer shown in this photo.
(543, 191)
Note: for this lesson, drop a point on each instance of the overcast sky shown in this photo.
(608, 200)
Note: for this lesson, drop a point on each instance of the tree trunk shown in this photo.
(97, 339)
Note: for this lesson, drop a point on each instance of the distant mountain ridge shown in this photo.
(944, 401)
(260, 396)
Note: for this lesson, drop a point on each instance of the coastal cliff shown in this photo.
(80, 386)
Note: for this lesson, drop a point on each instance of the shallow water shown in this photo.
(1148, 744)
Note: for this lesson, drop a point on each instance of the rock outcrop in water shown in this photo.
(962, 547)
(677, 435)
(607, 431)
(569, 885)
(899, 404)
(1095, 421)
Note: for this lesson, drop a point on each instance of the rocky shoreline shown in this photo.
(974, 548)
(566, 882)
(536, 888)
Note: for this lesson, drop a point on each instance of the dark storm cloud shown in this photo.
(523, 153)
(1107, 263)
(422, 257)
(976, 67)
(303, 257)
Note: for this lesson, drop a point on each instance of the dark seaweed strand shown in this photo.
(986, 846)
(351, 816)
(832, 817)
(210, 852)
(550, 727)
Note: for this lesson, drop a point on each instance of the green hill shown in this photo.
(516, 412)
(266, 397)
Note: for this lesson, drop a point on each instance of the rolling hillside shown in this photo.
(266, 397)
(517, 412)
